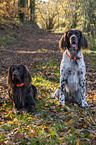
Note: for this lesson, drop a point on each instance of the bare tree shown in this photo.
(22, 4)
(32, 7)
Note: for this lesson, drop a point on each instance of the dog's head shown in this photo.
(18, 74)
(73, 40)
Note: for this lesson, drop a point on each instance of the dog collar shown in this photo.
(19, 85)
(73, 57)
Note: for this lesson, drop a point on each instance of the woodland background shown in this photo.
(53, 15)
(29, 34)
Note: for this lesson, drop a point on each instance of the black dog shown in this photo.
(21, 91)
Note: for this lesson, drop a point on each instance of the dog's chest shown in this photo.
(72, 71)
(19, 94)
(72, 79)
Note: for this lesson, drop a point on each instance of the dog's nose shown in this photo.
(15, 74)
(74, 39)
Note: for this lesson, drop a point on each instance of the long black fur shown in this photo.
(23, 96)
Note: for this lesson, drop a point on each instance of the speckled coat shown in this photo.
(72, 80)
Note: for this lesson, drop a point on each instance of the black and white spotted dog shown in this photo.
(72, 68)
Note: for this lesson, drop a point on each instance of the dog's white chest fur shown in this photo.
(72, 68)
(72, 81)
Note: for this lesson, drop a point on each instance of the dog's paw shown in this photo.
(62, 103)
(85, 105)
(31, 109)
(62, 100)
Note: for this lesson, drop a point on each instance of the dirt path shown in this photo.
(39, 51)
(33, 47)
(30, 49)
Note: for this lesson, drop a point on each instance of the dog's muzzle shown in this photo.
(15, 76)
(74, 41)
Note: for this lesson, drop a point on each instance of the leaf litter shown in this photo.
(50, 124)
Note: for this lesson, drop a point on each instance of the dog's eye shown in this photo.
(77, 34)
(69, 34)
(12, 69)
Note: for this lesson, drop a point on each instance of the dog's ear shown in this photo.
(83, 41)
(63, 43)
(27, 76)
(9, 79)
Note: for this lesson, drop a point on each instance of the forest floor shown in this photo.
(50, 124)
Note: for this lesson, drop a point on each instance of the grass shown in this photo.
(50, 124)
(7, 40)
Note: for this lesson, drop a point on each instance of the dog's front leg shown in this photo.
(62, 88)
(30, 102)
(82, 85)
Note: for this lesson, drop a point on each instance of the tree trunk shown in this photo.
(74, 22)
(22, 4)
(32, 7)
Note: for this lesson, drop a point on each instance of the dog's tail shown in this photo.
(56, 94)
